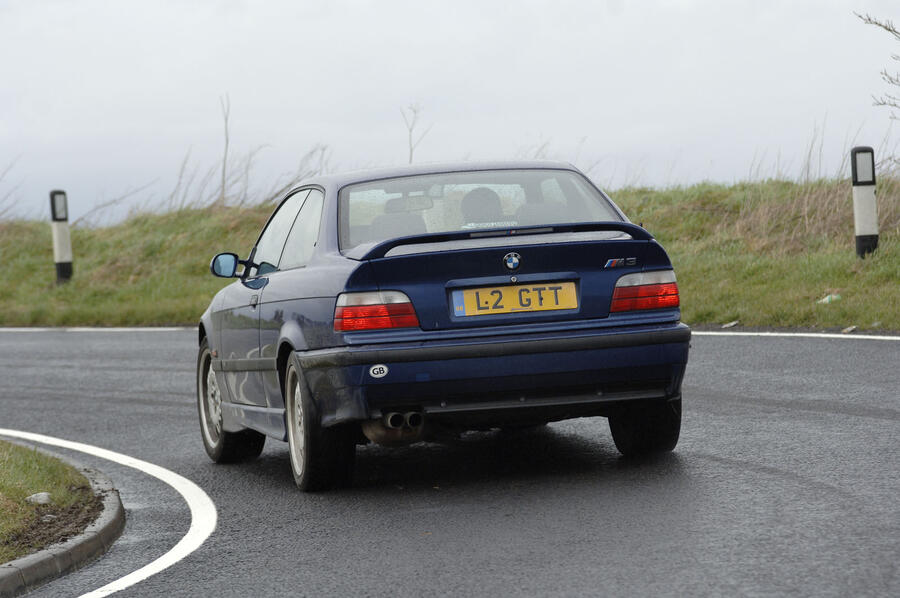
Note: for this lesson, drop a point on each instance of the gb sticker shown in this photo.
(378, 371)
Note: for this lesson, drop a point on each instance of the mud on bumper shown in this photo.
(511, 378)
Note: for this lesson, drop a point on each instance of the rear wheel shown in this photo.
(648, 428)
(321, 458)
(221, 446)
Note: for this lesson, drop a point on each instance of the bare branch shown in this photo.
(112, 202)
(887, 24)
(226, 112)
(889, 100)
(6, 203)
(173, 196)
(889, 78)
(592, 166)
(410, 116)
(578, 149)
(314, 162)
(244, 196)
(535, 152)
(540, 153)
(204, 183)
(8, 195)
(9, 167)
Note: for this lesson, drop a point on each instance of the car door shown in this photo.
(287, 290)
(242, 363)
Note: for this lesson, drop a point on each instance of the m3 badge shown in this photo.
(621, 262)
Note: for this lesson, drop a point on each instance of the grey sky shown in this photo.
(97, 97)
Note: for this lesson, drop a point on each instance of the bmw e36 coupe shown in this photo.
(399, 305)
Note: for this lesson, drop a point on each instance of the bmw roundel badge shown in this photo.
(511, 260)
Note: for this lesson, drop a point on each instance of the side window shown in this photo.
(303, 237)
(271, 242)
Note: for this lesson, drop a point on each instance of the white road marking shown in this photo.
(203, 509)
(864, 337)
(99, 329)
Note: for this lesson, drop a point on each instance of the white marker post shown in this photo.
(865, 210)
(62, 240)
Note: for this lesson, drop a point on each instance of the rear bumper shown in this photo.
(536, 376)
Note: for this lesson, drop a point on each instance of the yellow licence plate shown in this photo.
(544, 296)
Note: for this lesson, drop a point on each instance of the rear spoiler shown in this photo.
(380, 250)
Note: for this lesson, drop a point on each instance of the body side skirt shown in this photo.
(267, 420)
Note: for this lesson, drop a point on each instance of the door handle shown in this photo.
(254, 299)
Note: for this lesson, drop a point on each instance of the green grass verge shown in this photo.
(26, 528)
(761, 253)
(730, 283)
(151, 270)
(765, 253)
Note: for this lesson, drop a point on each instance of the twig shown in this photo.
(411, 120)
(5, 209)
(888, 99)
(114, 201)
(173, 196)
(226, 112)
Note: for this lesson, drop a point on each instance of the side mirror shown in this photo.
(224, 265)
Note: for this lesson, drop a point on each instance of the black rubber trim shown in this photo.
(854, 178)
(63, 271)
(355, 356)
(53, 207)
(244, 365)
(587, 399)
(637, 233)
(866, 244)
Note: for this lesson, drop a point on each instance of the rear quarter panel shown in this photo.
(297, 309)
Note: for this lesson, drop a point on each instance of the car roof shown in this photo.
(360, 176)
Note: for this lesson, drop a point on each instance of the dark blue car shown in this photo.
(414, 303)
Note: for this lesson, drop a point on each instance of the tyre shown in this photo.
(648, 428)
(221, 446)
(321, 458)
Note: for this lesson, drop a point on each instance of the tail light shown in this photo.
(645, 290)
(375, 310)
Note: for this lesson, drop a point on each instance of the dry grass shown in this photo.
(764, 253)
(771, 217)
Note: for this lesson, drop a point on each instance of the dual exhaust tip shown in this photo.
(396, 420)
(395, 428)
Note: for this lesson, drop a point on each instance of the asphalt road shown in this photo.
(786, 481)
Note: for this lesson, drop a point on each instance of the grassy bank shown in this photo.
(765, 253)
(150, 270)
(26, 528)
(762, 253)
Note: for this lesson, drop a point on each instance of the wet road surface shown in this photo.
(786, 481)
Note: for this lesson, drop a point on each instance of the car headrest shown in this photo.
(395, 205)
(482, 205)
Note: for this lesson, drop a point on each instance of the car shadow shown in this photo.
(547, 454)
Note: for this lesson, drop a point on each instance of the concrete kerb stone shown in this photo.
(27, 573)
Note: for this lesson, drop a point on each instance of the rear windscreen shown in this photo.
(389, 208)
